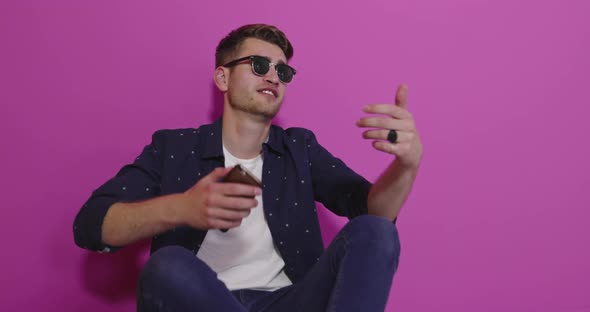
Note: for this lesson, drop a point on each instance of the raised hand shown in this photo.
(394, 117)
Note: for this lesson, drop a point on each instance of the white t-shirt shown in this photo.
(245, 257)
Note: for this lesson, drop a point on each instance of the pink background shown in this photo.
(498, 218)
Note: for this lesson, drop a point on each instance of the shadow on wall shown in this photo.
(216, 103)
(113, 277)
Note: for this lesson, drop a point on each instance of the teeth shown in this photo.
(268, 92)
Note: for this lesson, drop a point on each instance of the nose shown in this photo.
(272, 76)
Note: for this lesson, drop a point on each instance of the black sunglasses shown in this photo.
(261, 66)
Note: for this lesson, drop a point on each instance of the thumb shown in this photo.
(401, 96)
(218, 173)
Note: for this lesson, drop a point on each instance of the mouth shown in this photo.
(269, 92)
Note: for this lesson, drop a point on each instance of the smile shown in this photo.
(268, 92)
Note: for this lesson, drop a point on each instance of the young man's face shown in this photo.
(248, 92)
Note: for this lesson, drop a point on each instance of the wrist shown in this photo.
(404, 167)
(172, 213)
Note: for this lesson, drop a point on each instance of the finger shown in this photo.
(388, 109)
(236, 189)
(381, 134)
(386, 147)
(231, 202)
(229, 214)
(401, 96)
(224, 224)
(384, 123)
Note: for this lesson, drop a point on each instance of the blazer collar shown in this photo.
(210, 139)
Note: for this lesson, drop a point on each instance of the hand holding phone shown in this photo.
(243, 176)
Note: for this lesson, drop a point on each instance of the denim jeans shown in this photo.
(353, 274)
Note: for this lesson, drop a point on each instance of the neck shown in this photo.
(243, 134)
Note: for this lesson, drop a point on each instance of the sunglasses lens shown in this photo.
(260, 66)
(285, 73)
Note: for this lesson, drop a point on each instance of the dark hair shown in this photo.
(232, 42)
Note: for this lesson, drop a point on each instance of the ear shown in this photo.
(220, 78)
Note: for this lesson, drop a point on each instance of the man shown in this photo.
(236, 247)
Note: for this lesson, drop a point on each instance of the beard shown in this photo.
(253, 106)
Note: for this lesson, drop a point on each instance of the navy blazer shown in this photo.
(297, 171)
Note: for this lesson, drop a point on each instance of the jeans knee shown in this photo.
(378, 234)
(174, 279)
(168, 265)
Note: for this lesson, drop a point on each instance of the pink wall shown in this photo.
(497, 221)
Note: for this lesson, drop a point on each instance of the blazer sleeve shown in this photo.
(336, 186)
(137, 181)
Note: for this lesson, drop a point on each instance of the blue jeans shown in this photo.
(353, 274)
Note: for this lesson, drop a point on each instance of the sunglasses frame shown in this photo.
(253, 58)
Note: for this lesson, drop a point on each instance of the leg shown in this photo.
(354, 274)
(174, 279)
(366, 271)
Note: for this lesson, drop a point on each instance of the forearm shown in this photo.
(391, 190)
(126, 223)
